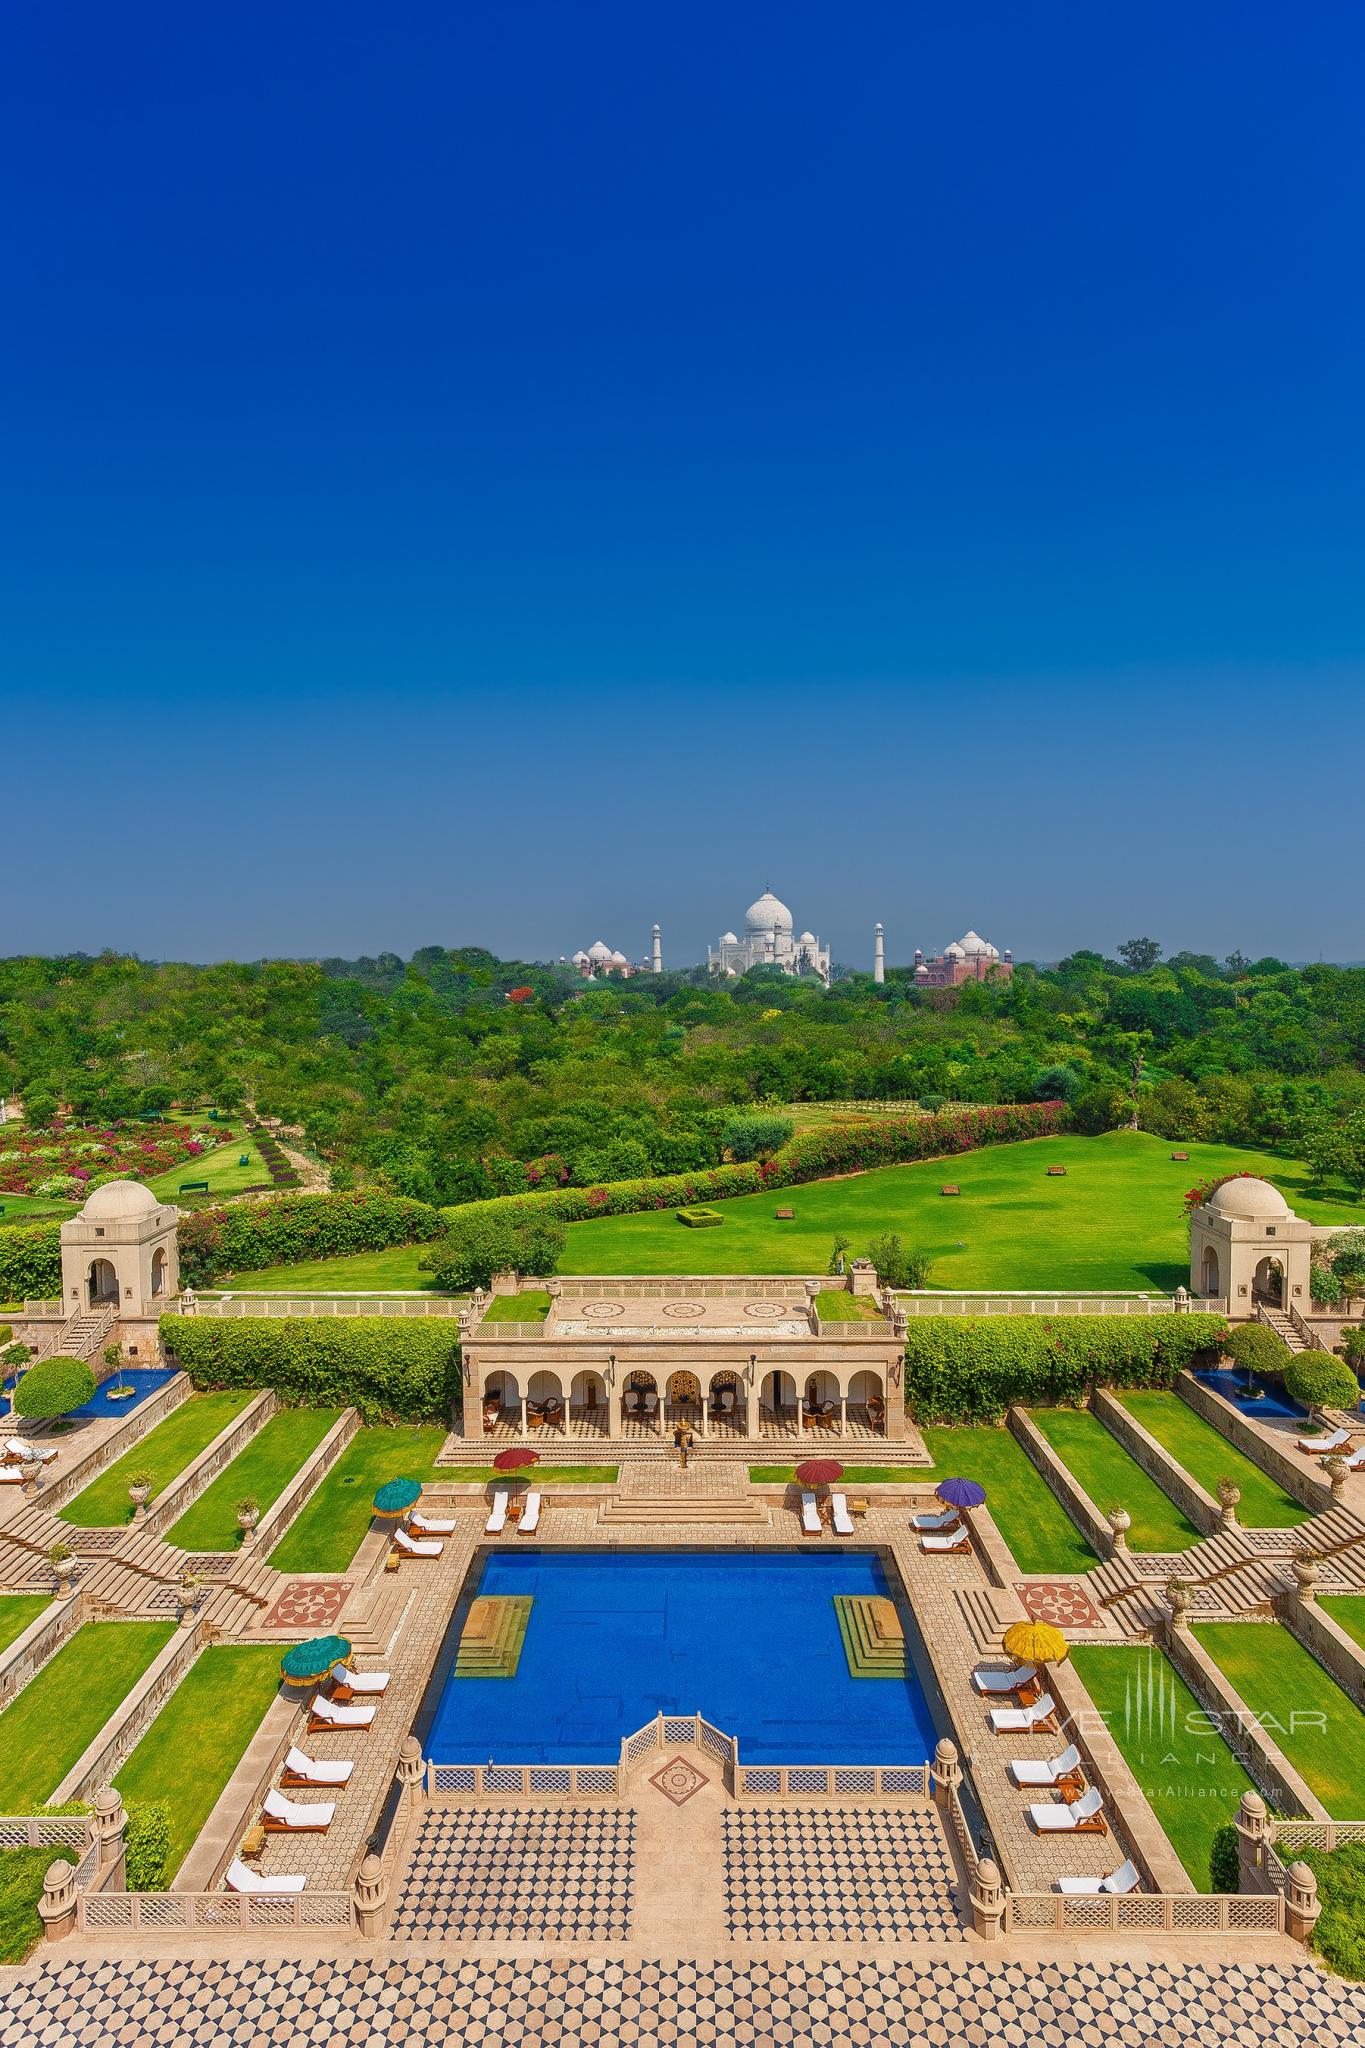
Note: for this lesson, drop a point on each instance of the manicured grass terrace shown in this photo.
(220, 1168)
(837, 1305)
(531, 1307)
(200, 1736)
(1208, 1457)
(1113, 1479)
(19, 1611)
(163, 1453)
(59, 1713)
(325, 1536)
(1347, 1610)
(1191, 1778)
(1315, 1723)
(261, 1470)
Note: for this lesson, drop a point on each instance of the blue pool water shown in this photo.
(750, 1641)
(145, 1379)
(1232, 1388)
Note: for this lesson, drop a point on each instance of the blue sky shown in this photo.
(500, 476)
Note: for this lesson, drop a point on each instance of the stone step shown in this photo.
(870, 1653)
(700, 1510)
(490, 1646)
(988, 1612)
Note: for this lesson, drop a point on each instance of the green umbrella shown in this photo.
(396, 1496)
(307, 1662)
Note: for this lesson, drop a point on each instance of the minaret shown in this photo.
(658, 952)
(879, 956)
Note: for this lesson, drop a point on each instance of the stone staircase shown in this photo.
(80, 1336)
(1235, 1572)
(1283, 1325)
(699, 1510)
(987, 1612)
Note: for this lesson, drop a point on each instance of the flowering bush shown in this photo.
(64, 1161)
(1205, 1190)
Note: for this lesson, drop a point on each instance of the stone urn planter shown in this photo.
(139, 1493)
(248, 1515)
(1120, 1521)
(63, 1562)
(1228, 1496)
(1337, 1475)
(1178, 1598)
(1305, 1571)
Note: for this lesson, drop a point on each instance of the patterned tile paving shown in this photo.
(851, 1874)
(678, 1780)
(308, 1603)
(285, 2002)
(534, 1874)
(1066, 1606)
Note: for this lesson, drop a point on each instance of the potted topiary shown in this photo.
(139, 1493)
(63, 1561)
(248, 1515)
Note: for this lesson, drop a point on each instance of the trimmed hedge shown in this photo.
(31, 1262)
(390, 1368)
(970, 1368)
(811, 1155)
(286, 1231)
(1315, 1378)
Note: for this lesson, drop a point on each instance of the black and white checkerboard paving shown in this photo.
(523, 1874)
(840, 1874)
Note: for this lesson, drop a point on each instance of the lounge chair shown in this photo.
(308, 1770)
(1356, 1461)
(935, 1524)
(810, 1515)
(1055, 1771)
(843, 1520)
(497, 1514)
(1039, 1719)
(1125, 1879)
(240, 1879)
(529, 1520)
(954, 1540)
(1021, 1679)
(324, 1714)
(17, 1473)
(411, 1547)
(281, 1816)
(1084, 1818)
(1323, 1446)
(428, 1525)
(349, 1685)
(30, 1454)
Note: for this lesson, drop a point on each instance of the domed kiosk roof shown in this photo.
(768, 914)
(973, 945)
(1246, 1197)
(118, 1200)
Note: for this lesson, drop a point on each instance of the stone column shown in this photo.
(110, 1823)
(1301, 1903)
(613, 1409)
(988, 1900)
(1252, 1832)
(57, 1906)
(371, 1898)
(843, 1414)
(412, 1775)
(945, 1773)
(1120, 1522)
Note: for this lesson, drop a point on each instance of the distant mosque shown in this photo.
(969, 958)
(600, 958)
(768, 942)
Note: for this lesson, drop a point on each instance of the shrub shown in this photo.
(475, 1247)
(1353, 1349)
(1257, 1349)
(1099, 1109)
(1224, 1872)
(755, 1136)
(31, 1262)
(1317, 1380)
(289, 1229)
(700, 1219)
(933, 1103)
(147, 1844)
(53, 1387)
(1339, 1937)
(390, 1368)
(970, 1368)
(838, 1257)
(897, 1267)
(1325, 1286)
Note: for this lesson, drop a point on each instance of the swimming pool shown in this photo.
(749, 1639)
(1231, 1387)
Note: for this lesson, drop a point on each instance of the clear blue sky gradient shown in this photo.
(504, 474)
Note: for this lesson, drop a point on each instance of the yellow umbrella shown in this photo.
(1035, 1642)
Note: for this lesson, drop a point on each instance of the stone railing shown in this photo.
(55, 1307)
(124, 1913)
(57, 1492)
(44, 1831)
(1143, 1913)
(1312, 1834)
(460, 1783)
(28, 1653)
(832, 1781)
(305, 1482)
(186, 1488)
(1001, 1303)
(325, 1305)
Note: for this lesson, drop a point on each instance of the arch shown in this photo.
(640, 1399)
(501, 1394)
(588, 1391)
(544, 1400)
(684, 1390)
(1267, 1282)
(867, 1400)
(1208, 1272)
(777, 1397)
(159, 1270)
(102, 1282)
(727, 1403)
(820, 1399)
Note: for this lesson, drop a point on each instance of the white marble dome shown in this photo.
(599, 950)
(973, 946)
(118, 1200)
(1248, 1199)
(767, 914)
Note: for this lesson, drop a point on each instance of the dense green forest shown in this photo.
(455, 1075)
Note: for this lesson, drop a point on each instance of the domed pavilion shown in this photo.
(1249, 1249)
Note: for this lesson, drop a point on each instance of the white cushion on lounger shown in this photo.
(530, 1515)
(933, 1522)
(1331, 1442)
(1046, 1771)
(426, 1525)
(810, 1515)
(317, 1771)
(19, 1447)
(359, 1681)
(1004, 1681)
(1061, 1819)
(240, 1879)
(358, 1716)
(414, 1547)
(497, 1517)
(293, 1814)
(957, 1541)
(1356, 1460)
(843, 1520)
(1019, 1720)
(1125, 1879)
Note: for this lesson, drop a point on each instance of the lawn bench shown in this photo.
(784, 1215)
(194, 1187)
(951, 1189)
(1180, 1155)
(1056, 1173)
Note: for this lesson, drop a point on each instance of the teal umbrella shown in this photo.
(307, 1662)
(396, 1496)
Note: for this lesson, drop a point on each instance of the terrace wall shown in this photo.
(1337, 1652)
(131, 1718)
(1260, 1445)
(41, 1640)
(1093, 1525)
(57, 1492)
(197, 1477)
(1156, 1461)
(1261, 1755)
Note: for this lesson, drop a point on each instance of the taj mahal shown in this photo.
(768, 942)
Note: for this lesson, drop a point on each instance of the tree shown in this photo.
(755, 1136)
(53, 1387)
(1319, 1380)
(1140, 954)
(897, 1267)
(1099, 1109)
(1257, 1349)
(477, 1247)
(1057, 1084)
(838, 1257)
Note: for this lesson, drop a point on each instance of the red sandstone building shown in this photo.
(968, 959)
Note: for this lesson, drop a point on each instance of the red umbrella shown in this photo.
(819, 1471)
(516, 1459)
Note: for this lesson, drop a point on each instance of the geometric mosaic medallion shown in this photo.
(679, 1779)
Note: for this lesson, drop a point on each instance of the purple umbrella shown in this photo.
(961, 1493)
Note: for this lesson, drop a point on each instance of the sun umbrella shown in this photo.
(819, 1471)
(307, 1662)
(960, 1493)
(520, 1457)
(1035, 1642)
(396, 1496)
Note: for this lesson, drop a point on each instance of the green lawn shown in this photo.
(219, 1168)
(164, 1453)
(1208, 1457)
(21, 1887)
(1115, 1221)
(531, 1307)
(1347, 1611)
(1113, 1479)
(325, 1536)
(391, 1272)
(261, 1470)
(210, 1717)
(17, 1612)
(1315, 1723)
(837, 1305)
(1192, 1780)
(1039, 1532)
(60, 1712)
(33, 1208)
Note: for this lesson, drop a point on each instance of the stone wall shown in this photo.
(1156, 1461)
(28, 1653)
(197, 1477)
(1257, 1444)
(57, 1492)
(1253, 1745)
(1337, 1652)
(1093, 1525)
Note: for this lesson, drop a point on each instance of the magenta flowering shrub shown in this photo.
(80, 1153)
